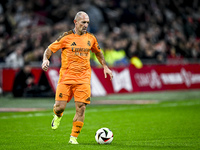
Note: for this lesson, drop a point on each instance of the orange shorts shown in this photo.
(81, 92)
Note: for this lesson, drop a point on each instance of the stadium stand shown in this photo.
(155, 31)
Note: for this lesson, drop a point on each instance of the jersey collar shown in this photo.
(74, 31)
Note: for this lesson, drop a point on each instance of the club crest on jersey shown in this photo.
(88, 43)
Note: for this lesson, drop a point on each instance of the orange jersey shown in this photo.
(75, 56)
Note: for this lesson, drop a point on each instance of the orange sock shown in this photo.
(76, 129)
(58, 114)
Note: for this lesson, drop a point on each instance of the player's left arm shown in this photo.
(102, 61)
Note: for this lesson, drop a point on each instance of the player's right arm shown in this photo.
(54, 47)
(46, 56)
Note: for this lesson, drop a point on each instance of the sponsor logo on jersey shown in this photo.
(80, 51)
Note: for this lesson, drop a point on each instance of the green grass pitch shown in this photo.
(172, 121)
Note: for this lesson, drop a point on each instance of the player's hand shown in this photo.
(108, 71)
(45, 65)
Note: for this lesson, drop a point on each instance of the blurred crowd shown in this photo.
(154, 31)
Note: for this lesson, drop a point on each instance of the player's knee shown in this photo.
(59, 108)
(83, 107)
(81, 110)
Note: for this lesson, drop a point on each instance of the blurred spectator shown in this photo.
(35, 55)
(96, 16)
(2, 50)
(15, 59)
(148, 30)
(24, 82)
(112, 57)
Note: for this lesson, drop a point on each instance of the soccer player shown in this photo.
(75, 72)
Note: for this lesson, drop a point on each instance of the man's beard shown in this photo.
(84, 31)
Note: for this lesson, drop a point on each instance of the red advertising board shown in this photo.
(126, 79)
(8, 76)
(148, 78)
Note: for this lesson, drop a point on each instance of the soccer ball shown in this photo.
(104, 136)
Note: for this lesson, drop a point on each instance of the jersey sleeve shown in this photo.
(58, 44)
(95, 48)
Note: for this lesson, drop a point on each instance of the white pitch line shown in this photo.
(91, 110)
